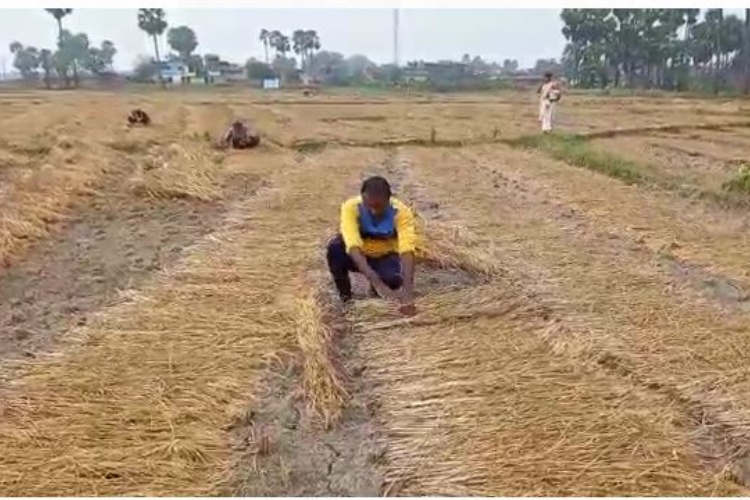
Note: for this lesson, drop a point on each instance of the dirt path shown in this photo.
(315, 409)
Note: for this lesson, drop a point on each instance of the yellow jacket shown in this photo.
(395, 233)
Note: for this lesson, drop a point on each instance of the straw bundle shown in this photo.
(182, 170)
(40, 194)
(323, 375)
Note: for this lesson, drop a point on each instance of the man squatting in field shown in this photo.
(139, 117)
(549, 95)
(239, 136)
(378, 239)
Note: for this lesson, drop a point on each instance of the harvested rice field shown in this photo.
(168, 328)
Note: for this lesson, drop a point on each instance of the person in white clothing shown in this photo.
(550, 93)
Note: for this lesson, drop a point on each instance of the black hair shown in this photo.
(548, 74)
(377, 186)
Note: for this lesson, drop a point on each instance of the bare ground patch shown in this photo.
(112, 241)
(314, 415)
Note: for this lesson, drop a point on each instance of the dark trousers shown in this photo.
(340, 264)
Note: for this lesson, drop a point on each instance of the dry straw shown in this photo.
(324, 377)
(507, 404)
(141, 406)
(180, 170)
(472, 401)
(39, 193)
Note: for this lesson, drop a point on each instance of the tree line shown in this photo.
(74, 54)
(672, 49)
(677, 49)
(287, 56)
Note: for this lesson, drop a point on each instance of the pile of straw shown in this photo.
(181, 170)
(324, 378)
(40, 191)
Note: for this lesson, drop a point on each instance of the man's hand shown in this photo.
(383, 290)
(361, 262)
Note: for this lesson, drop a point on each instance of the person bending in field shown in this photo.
(240, 137)
(550, 93)
(377, 238)
(139, 117)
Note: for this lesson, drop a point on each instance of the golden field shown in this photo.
(167, 326)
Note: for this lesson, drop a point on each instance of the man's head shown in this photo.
(376, 194)
(548, 76)
(237, 125)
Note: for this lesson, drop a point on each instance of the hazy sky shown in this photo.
(429, 34)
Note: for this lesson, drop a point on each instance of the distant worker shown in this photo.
(139, 117)
(377, 239)
(240, 137)
(550, 93)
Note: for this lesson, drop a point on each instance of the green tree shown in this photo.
(73, 52)
(58, 15)
(329, 67)
(285, 68)
(182, 40)
(258, 70)
(153, 22)
(359, 67)
(145, 69)
(312, 43)
(304, 44)
(25, 60)
(510, 66)
(265, 38)
(645, 46)
(299, 45)
(101, 59)
(280, 43)
(45, 61)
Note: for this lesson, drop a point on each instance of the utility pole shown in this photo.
(747, 51)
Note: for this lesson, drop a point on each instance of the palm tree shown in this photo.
(299, 44)
(285, 45)
(152, 22)
(265, 37)
(59, 14)
(280, 43)
(312, 43)
(45, 58)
